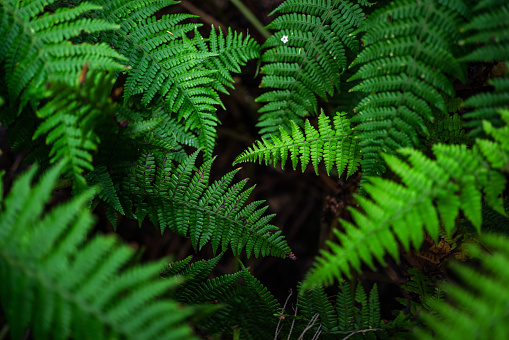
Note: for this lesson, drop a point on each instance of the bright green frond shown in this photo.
(305, 58)
(181, 198)
(407, 66)
(61, 288)
(401, 213)
(335, 146)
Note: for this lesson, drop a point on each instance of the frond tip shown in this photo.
(335, 146)
(51, 281)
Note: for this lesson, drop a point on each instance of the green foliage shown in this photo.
(305, 58)
(243, 302)
(353, 314)
(407, 66)
(63, 288)
(431, 190)
(335, 145)
(120, 97)
(478, 308)
(180, 198)
(186, 73)
(35, 45)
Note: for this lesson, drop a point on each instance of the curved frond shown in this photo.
(335, 146)
(186, 73)
(305, 58)
(34, 45)
(407, 66)
(62, 288)
(401, 213)
(181, 198)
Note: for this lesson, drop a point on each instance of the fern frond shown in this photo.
(406, 68)
(243, 302)
(166, 64)
(305, 58)
(68, 123)
(180, 198)
(108, 193)
(431, 190)
(335, 146)
(61, 288)
(478, 308)
(35, 46)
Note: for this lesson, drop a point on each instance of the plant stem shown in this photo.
(251, 18)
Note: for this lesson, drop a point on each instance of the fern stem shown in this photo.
(251, 18)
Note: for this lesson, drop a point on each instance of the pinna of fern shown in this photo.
(431, 191)
(305, 58)
(335, 145)
(180, 198)
(406, 67)
(61, 288)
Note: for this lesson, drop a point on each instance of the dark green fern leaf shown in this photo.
(315, 301)
(407, 66)
(60, 287)
(108, 193)
(305, 58)
(487, 106)
(497, 151)
(242, 301)
(35, 46)
(478, 308)
(69, 119)
(335, 146)
(166, 64)
(402, 213)
(181, 198)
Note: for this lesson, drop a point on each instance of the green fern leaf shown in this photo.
(68, 123)
(108, 193)
(61, 288)
(34, 45)
(180, 198)
(403, 212)
(305, 58)
(406, 68)
(335, 146)
(186, 73)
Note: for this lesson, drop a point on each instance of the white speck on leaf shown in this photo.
(284, 39)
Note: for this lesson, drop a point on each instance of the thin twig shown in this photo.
(362, 331)
(282, 313)
(251, 18)
(310, 324)
(293, 321)
(317, 334)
